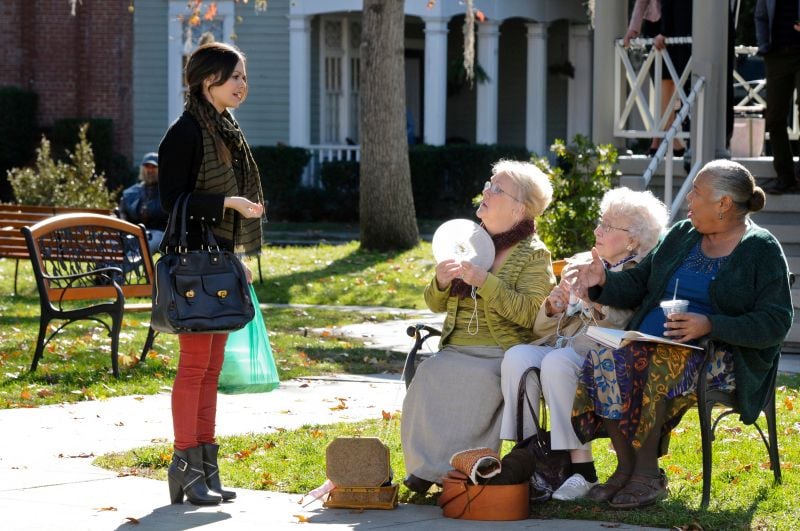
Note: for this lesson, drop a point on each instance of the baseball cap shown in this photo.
(150, 158)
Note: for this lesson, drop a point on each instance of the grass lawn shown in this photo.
(77, 366)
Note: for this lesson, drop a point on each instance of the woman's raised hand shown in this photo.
(473, 275)
(446, 271)
(244, 206)
(558, 299)
(586, 275)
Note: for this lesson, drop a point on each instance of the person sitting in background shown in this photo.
(735, 277)
(454, 401)
(141, 203)
(629, 227)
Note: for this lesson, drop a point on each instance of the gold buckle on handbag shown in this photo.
(222, 293)
(190, 294)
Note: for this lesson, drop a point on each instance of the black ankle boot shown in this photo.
(186, 477)
(211, 470)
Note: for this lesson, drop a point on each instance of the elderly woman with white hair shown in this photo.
(629, 227)
(454, 400)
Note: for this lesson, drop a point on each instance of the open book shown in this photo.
(616, 338)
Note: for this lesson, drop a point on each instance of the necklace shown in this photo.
(623, 261)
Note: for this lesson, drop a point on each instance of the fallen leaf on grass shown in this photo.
(105, 508)
(342, 404)
(788, 402)
(44, 393)
(301, 519)
(386, 415)
(131, 520)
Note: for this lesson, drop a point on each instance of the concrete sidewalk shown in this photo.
(48, 481)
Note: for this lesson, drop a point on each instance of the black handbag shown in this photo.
(198, 291)
(550, 467)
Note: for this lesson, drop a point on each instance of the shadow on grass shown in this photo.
(277, 289)
(674, 512)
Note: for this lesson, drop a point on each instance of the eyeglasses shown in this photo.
(489, 186)
(606, 228)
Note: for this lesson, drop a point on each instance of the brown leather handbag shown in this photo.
(461, 499)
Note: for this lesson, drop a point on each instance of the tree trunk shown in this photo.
(388, 218)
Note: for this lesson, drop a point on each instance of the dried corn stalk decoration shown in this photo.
(469, 43)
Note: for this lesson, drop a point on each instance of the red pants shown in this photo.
(194, 393)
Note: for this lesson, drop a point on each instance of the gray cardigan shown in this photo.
(750, 300)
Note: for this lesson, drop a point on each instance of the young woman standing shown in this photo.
(205, 154)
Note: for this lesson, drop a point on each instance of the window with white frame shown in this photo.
(184, 38)
(340, 78)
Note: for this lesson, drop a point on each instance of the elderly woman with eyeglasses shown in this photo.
(630, 225)
(454, 400)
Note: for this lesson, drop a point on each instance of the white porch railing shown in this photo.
(654, 119)
(322, 153)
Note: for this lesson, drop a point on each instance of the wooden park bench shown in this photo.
(14, 217)
(88, 257)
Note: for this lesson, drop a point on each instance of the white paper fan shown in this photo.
(463, 241)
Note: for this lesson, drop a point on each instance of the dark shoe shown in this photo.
(777, 187)
(418, 485)
(186, 477)
(605, 491)
(652, 151)
(211, 471)
(641, 491)
(678, 152)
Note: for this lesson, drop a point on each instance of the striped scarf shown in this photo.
(237, 176)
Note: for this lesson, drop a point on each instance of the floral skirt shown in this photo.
(626, 384)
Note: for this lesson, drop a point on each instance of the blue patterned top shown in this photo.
(693, 277)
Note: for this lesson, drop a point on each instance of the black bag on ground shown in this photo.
(198, 291)
(550, 467)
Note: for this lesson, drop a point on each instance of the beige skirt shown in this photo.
(454, 403)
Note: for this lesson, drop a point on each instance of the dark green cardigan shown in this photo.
(750, 300)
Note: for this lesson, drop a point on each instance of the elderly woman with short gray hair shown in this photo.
(735, 277)
(454, 400)
(629, 227)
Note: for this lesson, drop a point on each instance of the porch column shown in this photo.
(435, 80)
(610, 23)
(709, 44)
(299, 80)
(579, 87)
(536, 89)
(486, 126)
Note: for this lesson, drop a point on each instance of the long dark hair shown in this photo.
(215, 59)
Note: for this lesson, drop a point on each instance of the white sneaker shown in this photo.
(573, 488)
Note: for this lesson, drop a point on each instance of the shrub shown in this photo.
(582, 174)
(17, 132)
(281, 169)
(446, 178)
(340, 180)
(59, 183)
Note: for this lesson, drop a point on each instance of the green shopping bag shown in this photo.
(249, 366)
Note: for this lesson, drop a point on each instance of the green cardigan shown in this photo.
(750, 300)
(511, 297)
